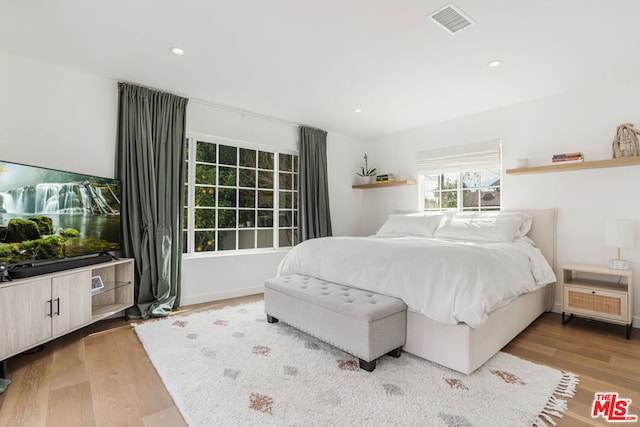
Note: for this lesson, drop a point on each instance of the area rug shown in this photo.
(231, 367)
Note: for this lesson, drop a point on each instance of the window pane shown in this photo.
(265, 160)
(449, 199)
(286, 238)
(227, 197)
(247, 219)
(246, 239)
(295, 200)
(186, 174)
(228, 155)
(185, 219)
(205, 241)
(286, 181)
(295, 181)
(285, 162)
(227, 218)
(265, 199)
(432, 200)
(247, 198)
(490, 197)
(450, 181)
(205, 152)
(295, 236)
(265, 238)
(285, 200)
(247, 158)
(205, 196)
(470, 198)
(226, 240)
(286, 219)
(265, 219)
(489, 177)
(471, 179)
(227, 176)
(205, 218)
(205, 174)
(431, 183)
(295, 218)
(185, 247)
(265, 179)
(295, 163)
(248, 178)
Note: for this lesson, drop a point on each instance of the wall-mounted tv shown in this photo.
(51, 215)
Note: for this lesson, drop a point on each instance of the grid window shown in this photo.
(472, 190)
(239, 198)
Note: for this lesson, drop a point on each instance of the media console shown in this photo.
(37, 309)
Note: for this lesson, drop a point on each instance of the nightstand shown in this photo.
(597, 292)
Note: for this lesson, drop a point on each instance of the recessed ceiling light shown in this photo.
(495, 63)
(357, 110)
(177, 51)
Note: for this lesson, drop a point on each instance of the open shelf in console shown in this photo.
(117, 293)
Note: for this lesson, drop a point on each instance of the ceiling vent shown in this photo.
(452, 18)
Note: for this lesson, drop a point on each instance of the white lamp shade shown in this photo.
(619, 233)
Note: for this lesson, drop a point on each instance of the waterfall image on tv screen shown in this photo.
(48, 214)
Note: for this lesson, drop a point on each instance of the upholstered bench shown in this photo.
(362, 323)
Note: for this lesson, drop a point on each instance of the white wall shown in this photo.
(579, 121)
(66, 119)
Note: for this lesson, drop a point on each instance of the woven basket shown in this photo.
(625, 143)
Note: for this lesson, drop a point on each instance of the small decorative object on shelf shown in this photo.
(568, 157)
(369, 174)
(625, 143)
(96, 284)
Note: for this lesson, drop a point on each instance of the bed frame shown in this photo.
(465, 349)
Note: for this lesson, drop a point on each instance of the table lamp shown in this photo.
(619, 233)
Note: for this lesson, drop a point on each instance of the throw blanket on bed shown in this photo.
(448, 281)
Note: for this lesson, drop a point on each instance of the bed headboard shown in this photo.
(543, 232)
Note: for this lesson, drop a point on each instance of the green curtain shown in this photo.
(150, 164)
(315, 216)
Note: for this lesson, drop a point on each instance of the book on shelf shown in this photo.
(568, 160)
(385, 178)
(568, 156)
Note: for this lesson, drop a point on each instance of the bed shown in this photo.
(453, 336)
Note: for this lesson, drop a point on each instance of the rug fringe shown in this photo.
(556, 406)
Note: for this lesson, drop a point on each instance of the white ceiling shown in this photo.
(313, 62)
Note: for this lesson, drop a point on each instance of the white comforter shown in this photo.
(448, 281)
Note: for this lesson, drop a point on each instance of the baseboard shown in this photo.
(557, 308)
(217, 296)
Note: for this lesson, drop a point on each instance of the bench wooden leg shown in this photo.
(367, 366)
(271, 319)
(395, 353)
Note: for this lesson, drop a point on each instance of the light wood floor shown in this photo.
(101, 376)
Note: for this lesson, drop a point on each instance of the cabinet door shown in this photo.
(24, 316)
(71, 294)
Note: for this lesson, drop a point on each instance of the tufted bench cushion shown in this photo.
(363, 323)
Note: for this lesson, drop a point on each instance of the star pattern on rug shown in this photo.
(261, 350)
(260, 402)
(348, 365)
(456, 383)
(508, 377)
(180, 323)
(220, 322)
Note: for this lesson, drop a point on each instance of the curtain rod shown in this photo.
(243, 112)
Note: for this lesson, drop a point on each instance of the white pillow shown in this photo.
(419, 224)
(523, 228)
(484, 226)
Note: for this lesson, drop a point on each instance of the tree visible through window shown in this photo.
(473, 190)
(239, 198)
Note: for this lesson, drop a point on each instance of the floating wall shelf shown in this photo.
(621, 161)
(385, 184)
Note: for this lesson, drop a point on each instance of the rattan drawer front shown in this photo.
(606, 305)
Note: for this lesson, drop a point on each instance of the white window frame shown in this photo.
(191, 141)
(459, 159)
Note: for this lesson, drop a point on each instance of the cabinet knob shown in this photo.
(593, 292)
